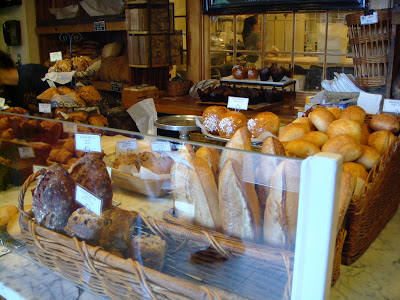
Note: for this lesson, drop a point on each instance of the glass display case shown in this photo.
(165, 218)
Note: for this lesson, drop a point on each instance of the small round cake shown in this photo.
(211, 117)
(230, 122)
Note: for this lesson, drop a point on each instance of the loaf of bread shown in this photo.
(240, 211)
(91, 173)
(356, 170)
(369, 157)
(211, 117)
(149, 250)
(381, 140)
(13, 228)
(385, 122)
(6, 212)
(347, 186)
(305, 120)
(262, 122)
(321, 118)
(54, 198)
(364, 134)
(318, 138)
(211, 156)
(344, 145)
(336, 111)
(230, 122)
(355, 113)
(293, 131)
(344, 126)
(301, 148)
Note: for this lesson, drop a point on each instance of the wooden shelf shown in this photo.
(110, 26)
(145, 32)
(147, 66)
(105, 86)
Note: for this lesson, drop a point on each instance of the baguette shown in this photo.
(280, 215)
(347, 186)
(240, 211)
(211, 156)
(203, 193)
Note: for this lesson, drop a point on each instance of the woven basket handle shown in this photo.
(22, 193)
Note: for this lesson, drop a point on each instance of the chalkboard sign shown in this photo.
(254, 6)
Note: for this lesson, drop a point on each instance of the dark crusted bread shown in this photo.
(149, 250)
(54, 198)
(91, 173)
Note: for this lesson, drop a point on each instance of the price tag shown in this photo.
(88, 200)
(127, 145)
(37, 168)
(2, 102)
(391, 106)
(55, 56)
(100, 26)
(45, 108)
(70, 128)
(88, 142)
(26, 152)
(116, 86)
(161, 146)
(238, 103)
(369, 19)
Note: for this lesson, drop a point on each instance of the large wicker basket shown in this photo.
(108, 275)
(368, 214)
(370, 45)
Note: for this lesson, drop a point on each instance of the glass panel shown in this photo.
(311, 69)
(280, 59)
(278, 32)
(338, 40)
(248, 29)
(221, 65)
(179, 7)
(310, 32)
(221, 32)
(180, 24)
(338, 64)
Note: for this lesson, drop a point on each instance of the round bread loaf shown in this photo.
(318, 138)
(305, 120)
(381, 140)
(54, 198)
(336, 111)
(301, 148)
(272, 145)
(344, 126)
(6, 212)
(354, 113)
(265, 121)
(356, 170)
(211, 117)
(253, 73)
(364, 134)
(293, 131)
(239, 72)
(230, 122)
(344, 145)
(385, 122)
(369, 157)
(321, 118)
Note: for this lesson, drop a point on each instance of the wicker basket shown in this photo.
(368, 214)
(178, 88)
(370, 45)
(108, 275)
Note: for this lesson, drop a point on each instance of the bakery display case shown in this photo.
(148, 216)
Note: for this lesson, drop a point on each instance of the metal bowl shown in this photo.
(182, 123)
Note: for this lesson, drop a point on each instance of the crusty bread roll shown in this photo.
(318, 138)
(230, 122)
(240, 212)
(381, 140)
(240, 140)
(293, 131)
(356, 170)
(344, 145)
(354, 113)
(385, 122)
(301, 148)
(211, 156)
(280, 215)
(6, 212)
(305, 120)
(347, 185)
(13, 228)
(273, 146)
(203, 193)
(369, 157)
(336, 111)
(364, 134)
(321, 118)
(264, 121)
(211, 117)
(344, 126)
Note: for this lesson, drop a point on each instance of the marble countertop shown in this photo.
(374, 276)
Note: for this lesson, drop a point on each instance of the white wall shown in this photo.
(25, 13)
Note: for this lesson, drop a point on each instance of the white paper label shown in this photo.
(160, 146)
(2, 102)
(127, 145)
(100, 26)
(55, 56)
(37, 168)
(371, 103)
(238, 103)
(45, 108)
(88, 200)
(391, 106)
(88, 142)
(26, 152)
(70, 128)
(370, 19)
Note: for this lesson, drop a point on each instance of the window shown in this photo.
(312, 46)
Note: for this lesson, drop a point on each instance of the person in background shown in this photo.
(251, 39)
(21, 84)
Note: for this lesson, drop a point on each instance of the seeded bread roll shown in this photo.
(318, 138)
(293, 131)
(344, 126)
(344, 145)
(305, 120)
(301, 148)
(230, 122)
(354, 113)
(369, 157)
(321, 118)
(385, 122)
(265, 121)
(212, 116)
(356, 170)
(381, 140)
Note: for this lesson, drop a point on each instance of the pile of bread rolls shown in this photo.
(224, 122)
